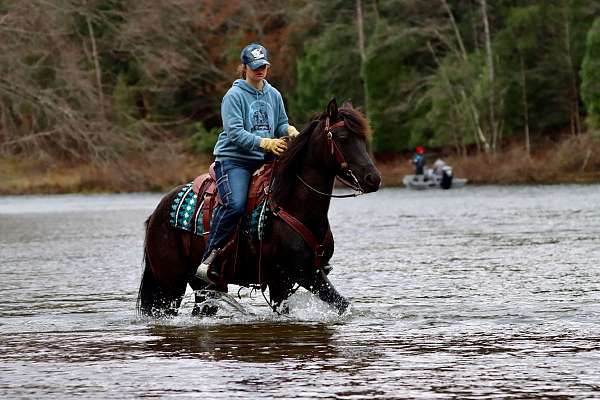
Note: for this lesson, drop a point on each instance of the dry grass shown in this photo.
(573, 159)
(152, 172)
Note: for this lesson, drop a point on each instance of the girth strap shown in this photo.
(307, 235)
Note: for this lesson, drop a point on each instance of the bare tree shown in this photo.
(490, 74)
(467, 99)
(361, 41)
(574, 96)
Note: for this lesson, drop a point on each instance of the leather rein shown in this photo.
(339, 156)
(297, 225)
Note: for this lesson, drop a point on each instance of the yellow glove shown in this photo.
(275, 146)
(292, 131)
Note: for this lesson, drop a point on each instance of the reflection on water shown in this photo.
(473, 293)
(268, 342)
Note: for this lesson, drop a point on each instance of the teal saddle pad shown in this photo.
(183, 214)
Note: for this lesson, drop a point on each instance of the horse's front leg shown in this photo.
(320, 285)
(280, 289)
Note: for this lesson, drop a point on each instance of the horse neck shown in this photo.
(309, 207)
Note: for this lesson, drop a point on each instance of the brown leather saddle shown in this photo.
(205, 187)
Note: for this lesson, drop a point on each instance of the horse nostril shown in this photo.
(373, 180)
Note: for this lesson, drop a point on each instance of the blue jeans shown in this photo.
(233, 178)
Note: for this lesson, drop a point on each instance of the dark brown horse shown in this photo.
(298, 242)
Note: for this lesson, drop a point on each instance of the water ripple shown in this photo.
(488, 292)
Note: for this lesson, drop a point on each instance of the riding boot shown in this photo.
(209, 269)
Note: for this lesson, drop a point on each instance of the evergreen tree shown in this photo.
(330, 67)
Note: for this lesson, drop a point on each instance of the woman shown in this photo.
(254, 120)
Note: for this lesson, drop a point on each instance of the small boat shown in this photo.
(432, 181)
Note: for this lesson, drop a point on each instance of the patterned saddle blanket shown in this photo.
(193, 207)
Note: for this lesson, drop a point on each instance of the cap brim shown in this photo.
(257, 64)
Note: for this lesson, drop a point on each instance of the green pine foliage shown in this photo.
(124, 102)
(450, 114)
(392, 76)
(202, 140)
(519, 47)
(329, 68)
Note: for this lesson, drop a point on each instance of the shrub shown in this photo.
(202, 140)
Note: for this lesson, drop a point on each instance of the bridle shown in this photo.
(339, 157)
(319, 246)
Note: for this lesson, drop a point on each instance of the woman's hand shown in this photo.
(275, 146)
(292, 131)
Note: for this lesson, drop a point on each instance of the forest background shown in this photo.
(123, 95)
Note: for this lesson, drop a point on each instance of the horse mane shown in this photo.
(290, 161)
(355, 121)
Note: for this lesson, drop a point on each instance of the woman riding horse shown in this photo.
(298, 242)
(254, 119)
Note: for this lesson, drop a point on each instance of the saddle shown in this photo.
(205, 188)
(193, 208)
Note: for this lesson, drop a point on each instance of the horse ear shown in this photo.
(348, 104)
(332, 110)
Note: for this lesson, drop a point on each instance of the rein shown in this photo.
(317, 247)
(339, 156)
(337, 196)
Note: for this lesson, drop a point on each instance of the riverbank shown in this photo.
(572, 159)
(567, 160)
(151, 173)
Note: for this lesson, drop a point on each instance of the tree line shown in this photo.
(94, 80)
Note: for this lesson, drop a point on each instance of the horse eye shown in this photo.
(341, 134)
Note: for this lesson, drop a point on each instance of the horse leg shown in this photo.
(280, 287)
(279, 292)
(157, 297)
(201, 310)
(320, 285)
(166, 268)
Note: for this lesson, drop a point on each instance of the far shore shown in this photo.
(569, 160)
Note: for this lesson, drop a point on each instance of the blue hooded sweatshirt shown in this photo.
(248, 116)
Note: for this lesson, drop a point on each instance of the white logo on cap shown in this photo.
(257, 53)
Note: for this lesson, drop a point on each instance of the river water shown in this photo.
(481, 292)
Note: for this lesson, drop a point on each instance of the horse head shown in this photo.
(343, 135)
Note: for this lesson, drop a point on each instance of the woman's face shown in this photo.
(257, 74)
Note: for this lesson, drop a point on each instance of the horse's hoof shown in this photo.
(342, 305)
(204, 311)
(284, 309)
(201, 308)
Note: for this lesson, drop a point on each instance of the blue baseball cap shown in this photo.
(255, 56)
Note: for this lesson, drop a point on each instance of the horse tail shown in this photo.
(148, 292)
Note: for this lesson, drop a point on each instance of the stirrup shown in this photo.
(202, 272)
(205, 272)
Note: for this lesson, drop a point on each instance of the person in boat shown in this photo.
(439, 166)
(254, 122)
(442, 173)
(418, 161)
